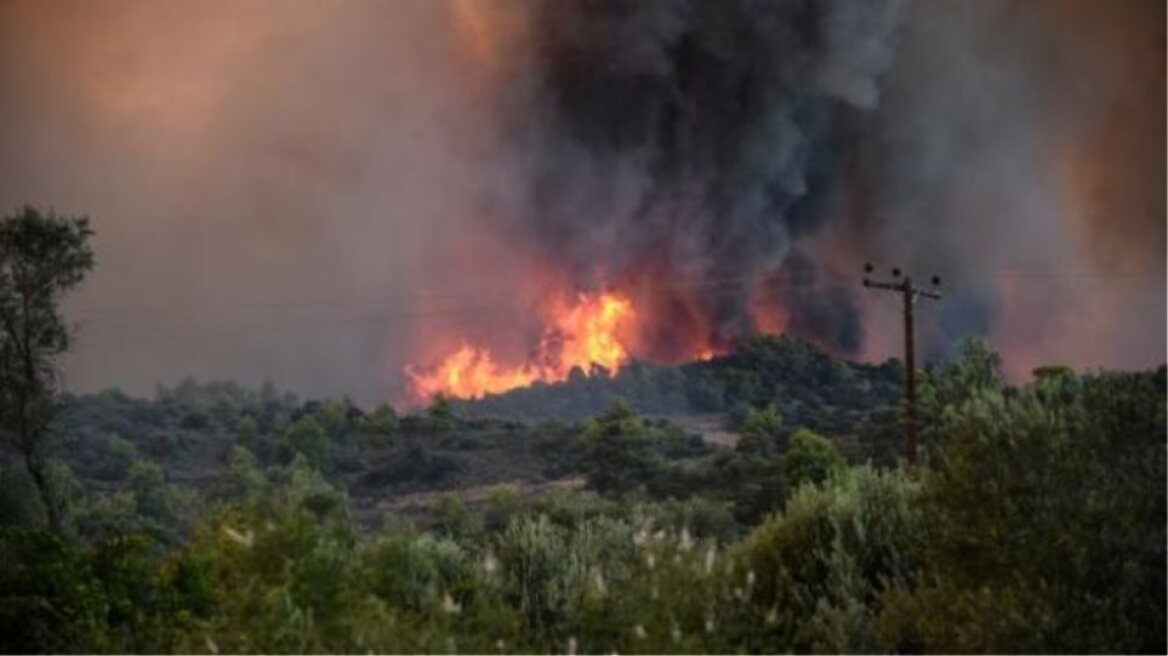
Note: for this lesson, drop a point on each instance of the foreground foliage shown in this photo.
(1037, 524)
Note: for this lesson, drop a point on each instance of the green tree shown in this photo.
(617, 450)
(762, 432)
(333, 418)
(823, 564)
(382, 422)
(441, 412)
(1045, 521)
(1053, 371)
(977, 367)
(811, 458)
(42, 256)
(452, 518)
(48, 599)
(117, 455)
(242, 480)
(503, 503)
(307, 437)
(247, 430)
(151, 494)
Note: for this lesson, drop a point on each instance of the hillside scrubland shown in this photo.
(217, 518)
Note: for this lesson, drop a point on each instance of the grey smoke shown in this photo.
(690, 137)
(715, 140)
(963, 171)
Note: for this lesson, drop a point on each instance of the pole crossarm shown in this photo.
(927, 294)
(900, 286)
(892, 286)
(903, 285)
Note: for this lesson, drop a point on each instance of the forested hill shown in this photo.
(808, 386)
(187, 438)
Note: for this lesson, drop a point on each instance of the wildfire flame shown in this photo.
(584, 332)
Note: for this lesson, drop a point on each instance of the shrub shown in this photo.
(381, 424)
(811, 458)
(49, 602)
(115, 455)
(762, 432)
(306, 436)
(503, 504)
(453, 520)
(823, 564)
(242, 479)
(1044, 535)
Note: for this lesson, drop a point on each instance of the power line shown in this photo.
(109, 335)
(456, 306)
(104, 322)
(428, 296)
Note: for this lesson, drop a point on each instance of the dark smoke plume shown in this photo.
(1014, 148)
(696, 139)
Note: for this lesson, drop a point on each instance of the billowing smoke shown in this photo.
(689, 142)
(320, 193)
(1016, 149)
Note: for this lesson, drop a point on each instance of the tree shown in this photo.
(977, 367)
(811, 458)
(382, 422)
(823, 564)
(441, 414)
(617, 450)
(42, 256)
(242, 480)
(762, 432)
(307, 437)
(1045, 519)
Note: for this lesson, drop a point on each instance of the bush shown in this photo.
(762, 432)
(503, 504)
(823, 565)
(380, 424)
(115, 455)
(812, 459)
(1043, 533)
(19, 505)
(58, 597)
(453, 520)
(242, 479)
(306, 437)
(618, 453)
(49, 602)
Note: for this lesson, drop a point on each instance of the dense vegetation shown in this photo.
(808, 386)
(217, 518)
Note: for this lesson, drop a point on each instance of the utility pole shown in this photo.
(904, 286)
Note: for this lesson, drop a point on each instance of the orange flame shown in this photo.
(583, 333)
(469, 372)
(590, 333)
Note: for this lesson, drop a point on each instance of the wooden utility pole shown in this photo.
(904, 285)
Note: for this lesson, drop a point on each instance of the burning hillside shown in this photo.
(585, 332)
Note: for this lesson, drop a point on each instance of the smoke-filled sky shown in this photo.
(318, 193)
